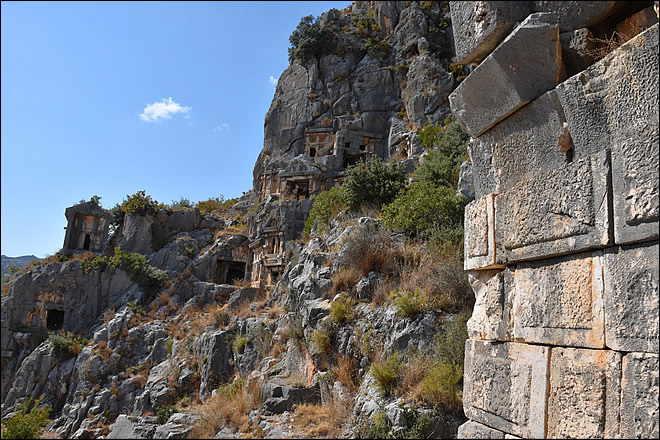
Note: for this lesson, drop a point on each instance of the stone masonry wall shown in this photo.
(561, 243)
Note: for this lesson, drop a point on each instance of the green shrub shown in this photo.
(410, 303)
(310, 39)
(26, 424)
(141, 204)
(136, 308)
(164, 412)
(182, 203)
(149, 278)
(378, 428)
(450, 343)
(322, 339)
(67, 346)
(442, 164)
(168, 345)
(239, 343)
(326, 207)
(373, 183)
(386, 373)
(422, 208)
(341, 309)
(440, 385)
(210, 205)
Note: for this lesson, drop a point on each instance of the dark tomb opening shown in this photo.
(88, 241)
(226, 272)
(54, 319)
(312, 152)
(347, 145)
(349, 160)
(363, 147)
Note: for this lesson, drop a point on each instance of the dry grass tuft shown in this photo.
(316, 421)
(344, 280)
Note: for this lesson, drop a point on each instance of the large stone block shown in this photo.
(576, 49)
(583, 400)
(505, 386)
(615, 98)
(631, 280)
(480, 26)
(635, 181)
(523, 67)
(559, 301)
(471, 429)
(520, 147)
(578, 14)
(479, 242)
(639, 396)
(490, 315)
(558, 212)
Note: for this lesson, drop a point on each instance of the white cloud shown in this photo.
(222, 127)
(272, 80)
(162, 110)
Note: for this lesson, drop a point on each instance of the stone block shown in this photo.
(578, 14)
(559, 301)
(615, 98)
(639, 396)
(575, 49)
(478, 27)
(479, 226)
(505, 386)
(490, 315)
(638, 22)
(635, 181)
(631, 280)
(524, 66)
(558, 212)
(519, 147)
(471, 429)
(583, 400)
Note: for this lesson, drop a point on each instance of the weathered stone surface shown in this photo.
(505, 386)
(480, 26)
(639, 396)
(559, 301)
(506, 80)
(558, 212)
(614, 98)
(480, 249)
(465, 185)
(216, 369)
(583, 400)
(519, 147)
(637, 22)
(635, 181)
(631, 298)
(132, 427)
(137, 234)
(578, 14)
(490, 316)
(576, 47)
(476, 430)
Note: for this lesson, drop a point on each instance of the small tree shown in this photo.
(373, 183)
(26, 424)
(310, 39)
(326, 206)
(442, 164)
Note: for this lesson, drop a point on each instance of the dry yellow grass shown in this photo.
(316, 421)
(344, 280)
(347, 373)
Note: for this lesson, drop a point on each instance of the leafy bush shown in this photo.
(310, 39)
(424, 207)
(410, 303)
(326, 207)
(440, 385)
(442, 164)
(239, 343)
(26, 424)
(322, 340)
(369, 248)
(386, 372)
(373, 183)
(182, 203)
(67, 346)
(210, 205)
(141, 204)
(149, 278)
(164, 412)
(341, 309)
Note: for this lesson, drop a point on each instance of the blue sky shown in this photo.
(109, 98)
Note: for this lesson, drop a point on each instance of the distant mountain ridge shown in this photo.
(15, 261)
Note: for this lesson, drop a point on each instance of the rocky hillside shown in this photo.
(18, 262)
